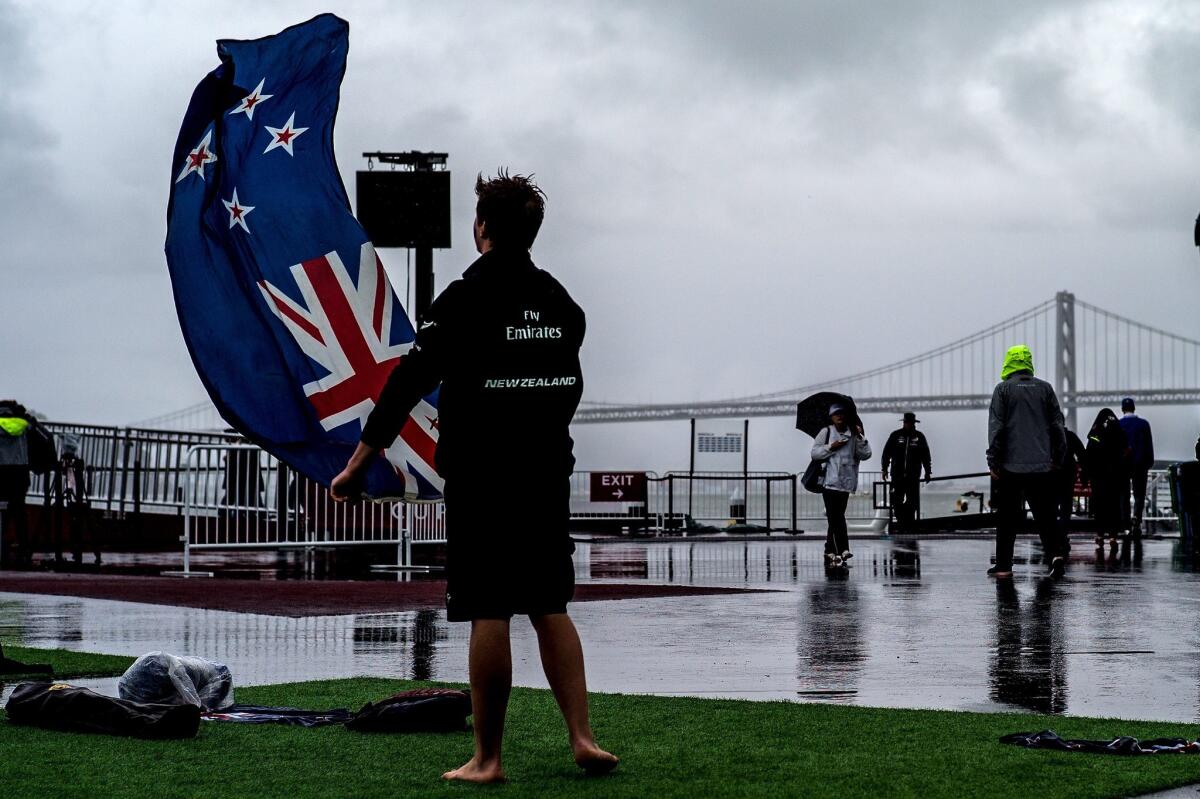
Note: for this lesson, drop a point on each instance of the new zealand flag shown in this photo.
(286, 309)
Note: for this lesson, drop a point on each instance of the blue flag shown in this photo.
(286, 310)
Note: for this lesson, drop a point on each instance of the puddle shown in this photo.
(910, 625)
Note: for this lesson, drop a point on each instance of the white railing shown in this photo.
(235, 496)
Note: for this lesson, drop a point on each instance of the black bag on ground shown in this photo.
(57, 706)
(1125, 745)
(419, 710)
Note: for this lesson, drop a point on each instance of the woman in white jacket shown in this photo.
(842, 449)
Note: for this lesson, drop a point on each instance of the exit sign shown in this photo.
(619, 487)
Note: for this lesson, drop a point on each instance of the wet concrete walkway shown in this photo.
(912, 624)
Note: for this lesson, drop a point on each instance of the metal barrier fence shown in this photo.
(1158, 498)
(774, 500)
(131, 470)
(235, 496)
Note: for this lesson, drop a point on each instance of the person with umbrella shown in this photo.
(842, 446)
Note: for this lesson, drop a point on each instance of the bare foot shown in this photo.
(475, 771)
(593, 759)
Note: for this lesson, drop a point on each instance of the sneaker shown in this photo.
(1058, 567)
(830, 558)
(837, 561)
(999, 573)
(847, 555)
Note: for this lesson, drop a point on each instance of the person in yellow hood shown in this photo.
(15, 425)
(1026, 443)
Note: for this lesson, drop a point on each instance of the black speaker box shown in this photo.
(405, 209)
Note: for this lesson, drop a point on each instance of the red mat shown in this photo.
(295, 597)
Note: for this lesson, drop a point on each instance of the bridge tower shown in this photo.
(1064, 373)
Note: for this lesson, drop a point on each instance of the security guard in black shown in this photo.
(503, 343)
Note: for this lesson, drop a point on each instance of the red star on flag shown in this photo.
(237, 212)
(251, 101)
(197, 158)
(284, 137)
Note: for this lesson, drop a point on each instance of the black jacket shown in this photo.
(503, 342)
(1026, 434)
(905, 453)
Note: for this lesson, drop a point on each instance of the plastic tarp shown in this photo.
(163, 678)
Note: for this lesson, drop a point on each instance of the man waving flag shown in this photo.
(286, 310)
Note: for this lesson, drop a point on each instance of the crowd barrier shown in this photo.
(232, 495)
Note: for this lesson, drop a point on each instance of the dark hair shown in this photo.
(512, 208)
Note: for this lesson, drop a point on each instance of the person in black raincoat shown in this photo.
(1108, 471)
(1072, 472)
(503, 345)
(905, 454)
(24, 447)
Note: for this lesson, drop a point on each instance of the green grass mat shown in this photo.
(67, 664)
(669, 747)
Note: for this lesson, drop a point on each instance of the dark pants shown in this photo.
(1140, 477)
(1065, 503)
(14, 483)
(1040, 491)
(906, 500)
(1110, 500)
(837, 540)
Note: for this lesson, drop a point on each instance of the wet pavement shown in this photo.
(911, 624)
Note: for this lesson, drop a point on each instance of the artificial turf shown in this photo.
(669, 747)
(67, 664)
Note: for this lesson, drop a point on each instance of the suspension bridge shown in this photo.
(1095, 357)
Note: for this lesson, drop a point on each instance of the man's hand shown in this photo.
(885, 475)
(347, 485)
(995, 474)
(928, 476)
(834, 446)
(350, 483)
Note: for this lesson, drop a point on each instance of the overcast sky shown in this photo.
(744, 197)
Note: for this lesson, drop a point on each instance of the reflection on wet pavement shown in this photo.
(911, 624)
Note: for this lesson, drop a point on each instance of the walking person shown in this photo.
(24, 447)
(905, 454)
(842, 447)
(503, 343)
(1026, 445)
(69, 491)
(1072, 473)
(1108, 470)
(1141, 460)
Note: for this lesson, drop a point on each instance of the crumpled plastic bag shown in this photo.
(163, 678)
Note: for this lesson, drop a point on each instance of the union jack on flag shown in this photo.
(286, 310)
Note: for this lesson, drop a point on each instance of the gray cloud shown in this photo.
(724, 178)
(27, 182)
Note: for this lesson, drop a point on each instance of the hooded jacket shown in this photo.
(1026, 434)
(14, 443)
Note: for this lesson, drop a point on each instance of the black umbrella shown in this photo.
(812, 413)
